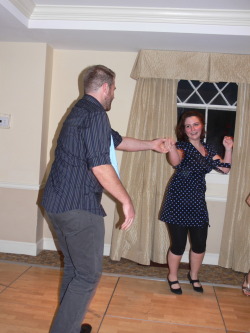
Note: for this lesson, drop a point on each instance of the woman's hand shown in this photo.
(169, 144)
(228, 143)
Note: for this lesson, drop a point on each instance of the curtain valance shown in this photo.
(208, 67)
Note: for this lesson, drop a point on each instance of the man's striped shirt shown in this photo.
(83, 143)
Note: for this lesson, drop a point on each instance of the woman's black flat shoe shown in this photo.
(197, 289)
(175, 291)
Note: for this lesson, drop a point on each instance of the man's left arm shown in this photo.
(132, 144)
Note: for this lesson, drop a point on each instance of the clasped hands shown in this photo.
(163, 145)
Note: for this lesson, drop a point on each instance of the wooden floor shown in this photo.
(28, 299)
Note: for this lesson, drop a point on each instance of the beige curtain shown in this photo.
(235, 245)
(145, 174)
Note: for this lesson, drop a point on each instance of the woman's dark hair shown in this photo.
(180, 128)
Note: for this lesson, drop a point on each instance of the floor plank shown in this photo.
(30, 303)
(152, 300)
(123, 325)
(2, 288)
(10, 272)
(235, 308)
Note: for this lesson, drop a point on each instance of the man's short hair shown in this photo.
(96, 76)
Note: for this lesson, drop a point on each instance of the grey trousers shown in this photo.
(81, 239)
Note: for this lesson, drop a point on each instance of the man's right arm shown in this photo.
(108, 178)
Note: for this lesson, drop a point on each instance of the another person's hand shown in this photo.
(159, 145)
(228, 142)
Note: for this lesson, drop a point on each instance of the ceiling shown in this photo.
(128, 26)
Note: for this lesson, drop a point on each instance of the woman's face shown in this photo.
(193, 128)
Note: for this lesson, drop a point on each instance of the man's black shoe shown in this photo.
(86, 328)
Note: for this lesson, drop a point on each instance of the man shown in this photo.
(72, 197)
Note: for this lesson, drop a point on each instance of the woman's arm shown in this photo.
(174, 155)
(228, 144)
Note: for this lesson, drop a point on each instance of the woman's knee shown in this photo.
(178, 236)
(198, 238)
(198, 250)
(177, 249)
(198, 246)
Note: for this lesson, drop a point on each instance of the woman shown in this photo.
(184, 208)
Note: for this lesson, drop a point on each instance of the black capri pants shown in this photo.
(178, 236)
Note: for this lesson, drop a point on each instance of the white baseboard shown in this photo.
(50, 244)
(30, 249)
(34, 249)
(106, 251)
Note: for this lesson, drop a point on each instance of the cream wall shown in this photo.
(22, 94)
(25, 72)
(38, 88)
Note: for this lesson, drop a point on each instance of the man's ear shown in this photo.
(105, 88)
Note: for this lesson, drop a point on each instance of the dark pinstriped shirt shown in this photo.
(83, 143)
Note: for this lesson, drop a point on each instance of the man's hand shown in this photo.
(169, 144)
(129, 212)
(161, 145)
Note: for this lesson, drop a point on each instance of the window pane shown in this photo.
(221, 85)
(184, 90)
(207, 91)
(219, 124)
(195, 99)
(230, 92)
(196, 83)
(219, 101)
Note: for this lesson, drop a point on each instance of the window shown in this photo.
(216, 101)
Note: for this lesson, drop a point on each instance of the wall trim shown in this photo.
(217, 199)
(50, 244)
(20, 186)
(30, 249)
(39, 187)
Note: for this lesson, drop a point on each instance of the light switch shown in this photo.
(4, 120)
